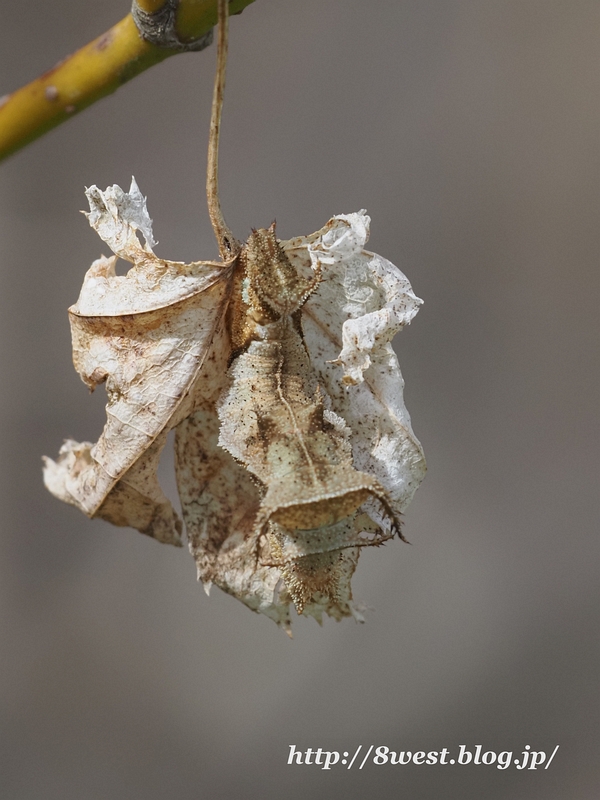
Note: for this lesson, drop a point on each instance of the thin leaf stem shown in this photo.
(226, 240)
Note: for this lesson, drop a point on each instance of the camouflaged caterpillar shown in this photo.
(274, 422)
(293, 446)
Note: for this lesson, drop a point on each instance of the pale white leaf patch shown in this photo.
(116, 216)
(362, 301)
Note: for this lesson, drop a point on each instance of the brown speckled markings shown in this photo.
(220, 502)
(152, 336)
(274, 422)
(348, 324)
(310, 455)
(312, 416)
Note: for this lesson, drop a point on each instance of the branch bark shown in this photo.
(99, 69)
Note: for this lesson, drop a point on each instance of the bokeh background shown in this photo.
(469, 130)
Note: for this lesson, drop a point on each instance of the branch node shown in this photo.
(159, 28)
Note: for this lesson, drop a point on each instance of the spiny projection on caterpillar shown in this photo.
(294, 449)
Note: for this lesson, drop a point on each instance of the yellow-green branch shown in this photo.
(98, 69)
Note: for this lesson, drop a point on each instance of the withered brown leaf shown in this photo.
(293, 445)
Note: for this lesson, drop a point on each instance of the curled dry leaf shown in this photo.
(294, 449)
(154, 337)
(348, 324)
(293, 445)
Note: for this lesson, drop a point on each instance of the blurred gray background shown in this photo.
(469, 130)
